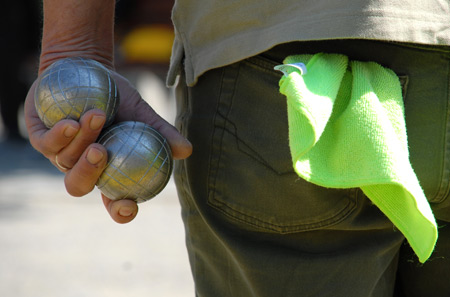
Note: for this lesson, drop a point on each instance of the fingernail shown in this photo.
(96, 122)
(94, 156)
(126, 211)
(70, 131)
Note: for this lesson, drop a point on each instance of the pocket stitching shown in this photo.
(285, 228)
(240, 142)
(232, 210)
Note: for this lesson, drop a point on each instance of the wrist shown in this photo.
(50, 54)
(82, 28)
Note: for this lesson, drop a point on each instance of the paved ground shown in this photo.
(54, 245)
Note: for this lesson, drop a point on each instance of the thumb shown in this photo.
(133, 108)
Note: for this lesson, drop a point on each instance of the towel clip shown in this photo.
(299, 66)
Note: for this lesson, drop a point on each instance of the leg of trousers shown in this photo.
(254, 228)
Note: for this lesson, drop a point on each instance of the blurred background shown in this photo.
(52, 244)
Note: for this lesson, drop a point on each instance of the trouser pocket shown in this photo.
(251, 179)
(424, 74)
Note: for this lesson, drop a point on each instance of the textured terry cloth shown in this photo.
(347, 130)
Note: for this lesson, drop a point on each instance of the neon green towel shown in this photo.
(347, 130)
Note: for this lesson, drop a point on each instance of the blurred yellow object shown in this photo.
(148, 44)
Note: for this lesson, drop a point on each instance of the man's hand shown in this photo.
(85, 28)
(70, 146)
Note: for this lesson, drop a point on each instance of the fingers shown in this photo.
(91, 125)
(180, 146)
(121, 211)
(65, 142)
(48, 142)
(81, 179)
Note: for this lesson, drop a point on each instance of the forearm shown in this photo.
(78, 28)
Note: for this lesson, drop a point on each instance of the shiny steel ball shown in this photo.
(70, 87)
(139, 162)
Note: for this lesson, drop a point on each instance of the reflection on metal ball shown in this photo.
(139, 162)
(69, 87)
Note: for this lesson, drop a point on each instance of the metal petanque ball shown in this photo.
(139, 162)
(71, 86)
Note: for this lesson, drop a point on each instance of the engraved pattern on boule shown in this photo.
(139, 162)
(71, 86)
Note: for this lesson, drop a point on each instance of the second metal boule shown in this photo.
(139, 162)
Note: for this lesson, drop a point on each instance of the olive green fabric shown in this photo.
(256, 229)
